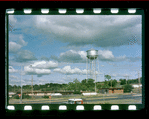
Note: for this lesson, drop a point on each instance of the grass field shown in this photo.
(94, 99)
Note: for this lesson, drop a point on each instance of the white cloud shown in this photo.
(45, 64)
(71, 56)
(13, 77)
(105, 54)
(57, 70)
(24, 56)
(21, 41)
(103, 30)
(14, 47)
(16, 42)
(82, 54)
(68, 70)
(14, 82)
(40, 68)
(12, 70)
(84, 71)
(18, 38)
(12, 22)
(35, 71)
(124, 75)
(12, 19)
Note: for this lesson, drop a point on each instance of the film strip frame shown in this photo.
(76, 107)
(73, 11)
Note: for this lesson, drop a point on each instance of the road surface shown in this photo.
(102, 99)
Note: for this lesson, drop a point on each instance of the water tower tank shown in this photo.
(92, 54)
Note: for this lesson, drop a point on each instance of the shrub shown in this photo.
(26, 96)
(15, 96)
(45, 96)
(127, 88)
(76, 92)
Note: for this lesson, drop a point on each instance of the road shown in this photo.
(110, 99)
(120, 97)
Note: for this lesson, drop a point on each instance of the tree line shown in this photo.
(130, 81)
(76, 85)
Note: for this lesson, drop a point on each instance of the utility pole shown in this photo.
(32, 86)
(66, 73)
(98, 70)
(111, 80)
(111, 83)
(87, 69)
(95, 73)
(104, 76)
(21, 85)
(90, 68)
(139, 82)
(126, 79)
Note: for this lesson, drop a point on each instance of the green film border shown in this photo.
(73, 11)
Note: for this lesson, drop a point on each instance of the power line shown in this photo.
(21, 85)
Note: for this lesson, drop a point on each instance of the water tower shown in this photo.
(92, 56)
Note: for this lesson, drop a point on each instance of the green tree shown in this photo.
(90, 81)
(77, 85)
(134, 81)
(71, 86)
(108, 77)
(114, 83)
(25, 96)
(141, 80)
(84, 81)
(36, 87)
(90, 85)
(123, 81)
(99, 86)
(127, 88)
(106, 84)
(76, 81)
(83, 87)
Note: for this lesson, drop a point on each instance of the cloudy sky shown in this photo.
(53, 48)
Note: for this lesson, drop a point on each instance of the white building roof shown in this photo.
(56, 94)
(136, 85)
(94, 93)
(75, 99)
(11, 93)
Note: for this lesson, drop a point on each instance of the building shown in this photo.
(93, 93)
(137, 88)
(111, 90)
(11, 94)
(137, 85)
(42, 93)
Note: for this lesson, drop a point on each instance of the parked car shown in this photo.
(75, 101)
